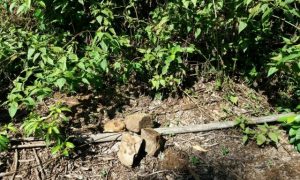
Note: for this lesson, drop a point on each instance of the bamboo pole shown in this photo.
(106, 137)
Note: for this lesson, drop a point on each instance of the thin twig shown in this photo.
(28, 168)
(24, 146)
(298, 28)
(39, 164)
(151, 174)
(37, 173)
(74, 37)
(15, 165)
(215, 8)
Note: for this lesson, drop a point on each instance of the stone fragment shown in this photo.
(138, 121)
(114, 126)
(129, 149)
(153, 141)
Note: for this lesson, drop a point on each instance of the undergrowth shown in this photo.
(70, 46)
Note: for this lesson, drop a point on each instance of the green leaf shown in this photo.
(292, 140)
(190, 49)
(290, 119)
(84, 80)
(55, 129)
(298, 147)
(60, 82)
(242, 26)
(21, 9)
(291, 56)
(12, 6)
(81, 65)
(165, 70)
(57, 49)
(65, 109)
(261, 139)
(247, 130)
(30, 53)
(245, 139)
(271, 71)
(3, 143)
(162, 82)
(65, 152)
(155, 84)
(103, 64)
(248, 2)
(262, 128)
(194, 2)
(30, 101)
(292, 132)
(70, 145)
(197, 32)
(297, 119)
(36, 55)
(42, 4)
(273, 136)
(73, 57)
(234, 99)
(185, 3)
(55, 149)
(13, 107)
(11, 127)
(103, 46)
(298, 134)
(117, 65)
(81, 2)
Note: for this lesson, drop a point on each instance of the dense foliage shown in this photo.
(71, 46)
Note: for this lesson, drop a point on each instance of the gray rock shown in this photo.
(129, 149)
(153, 141)
(138, 121)
(114, 126)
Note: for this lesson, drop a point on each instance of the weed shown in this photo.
(104, 173)
(292, 124)
(262, 134)
(194, 160)
(224, 151)
(50, 128)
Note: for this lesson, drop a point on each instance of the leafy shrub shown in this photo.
(292, 124)
(4, 132)
(48, 46)
(262, 134)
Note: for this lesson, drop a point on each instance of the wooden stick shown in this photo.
(39, 165)
(15, 165)
(106, 137)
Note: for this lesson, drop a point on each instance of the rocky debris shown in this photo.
(138, 121)
(153, 141)
(129, 149)
(114, 126)
(175, 160)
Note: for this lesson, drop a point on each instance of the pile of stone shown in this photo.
(139, 137)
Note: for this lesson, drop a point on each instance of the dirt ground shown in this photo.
(207, 155)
